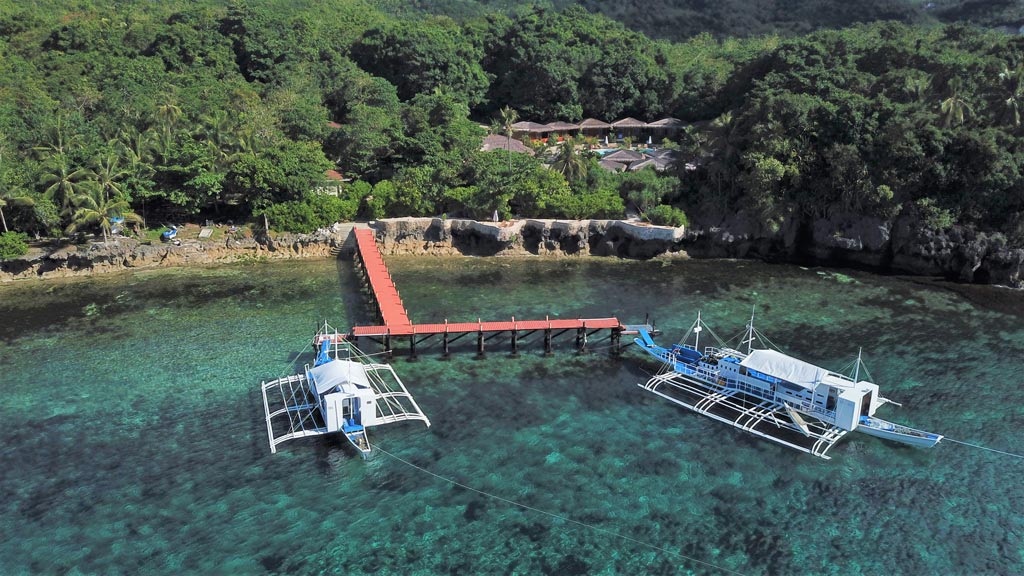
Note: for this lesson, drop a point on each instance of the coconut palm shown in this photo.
(59, 142)
(218, 132)
(64, 183)
(8, 198)
(723, 142)
(917, 87)
(94, 209)
(570, 164)
(1014, 83)
(509, 117)
(955, 107)
(107, 175)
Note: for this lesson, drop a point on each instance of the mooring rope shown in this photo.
(557, 516)
(984, 448)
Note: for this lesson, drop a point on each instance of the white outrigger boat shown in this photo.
(343, 392)
(772, 395)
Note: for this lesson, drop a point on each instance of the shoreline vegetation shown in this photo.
(895, 145)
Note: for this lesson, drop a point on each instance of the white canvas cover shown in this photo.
(338, 372)
(785, 367)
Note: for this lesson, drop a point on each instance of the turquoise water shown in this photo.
(134, 439)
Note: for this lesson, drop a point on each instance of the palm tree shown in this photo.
(167, 116)
(107, 174)
(509, 117)
(63, 184)
(571, 165)
(217, 130)
(59, 143)
(8, 199)
(955, 107)
(917, 87)
(723, 142)
(95, 209)
(1014, 82)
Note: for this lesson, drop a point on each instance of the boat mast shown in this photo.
(856, 370)
(696, 333)
(750, 331)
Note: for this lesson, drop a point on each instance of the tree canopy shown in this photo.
(231, 110)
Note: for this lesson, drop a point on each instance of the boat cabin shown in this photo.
(346, 397)
(772, 375)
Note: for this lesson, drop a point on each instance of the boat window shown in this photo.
(830, 403)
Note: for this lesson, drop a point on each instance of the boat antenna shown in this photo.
(696, 333)
(856, 370)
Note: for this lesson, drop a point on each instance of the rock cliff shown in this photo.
(125, 253)
(899, 246)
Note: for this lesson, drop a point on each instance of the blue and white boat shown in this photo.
(344, 392)
(169, 234)
(771, 394)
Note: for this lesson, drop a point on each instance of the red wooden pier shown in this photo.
(395, 322)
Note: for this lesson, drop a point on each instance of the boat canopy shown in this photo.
(785, 367)
(338, 373)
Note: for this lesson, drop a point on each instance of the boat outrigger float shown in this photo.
(343, 392)
(770, 394)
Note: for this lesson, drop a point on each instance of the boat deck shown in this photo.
(292, 407)
(760, 417)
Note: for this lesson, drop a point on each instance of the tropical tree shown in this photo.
(108, 175)
(7, 198)
(568, 162)
(218, 132)
(1014, 83)
(724, 144)
(917, 87)
(167, 115)
(64, 183)
(954, 107)
(509, 117)
(95, 208)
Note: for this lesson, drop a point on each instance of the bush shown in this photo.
(666, 216)
(13, 245)
(317, 211)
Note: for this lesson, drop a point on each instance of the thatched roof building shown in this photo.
(499, 142)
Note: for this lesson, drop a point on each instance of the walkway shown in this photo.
(395, 320)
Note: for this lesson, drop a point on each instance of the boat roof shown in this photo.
(338, 373)
(779, 365)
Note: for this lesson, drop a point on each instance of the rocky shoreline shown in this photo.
(900, 246)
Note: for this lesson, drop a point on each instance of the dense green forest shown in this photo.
(678, 20)
(177, 110)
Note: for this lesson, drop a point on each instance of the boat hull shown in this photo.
(898, 433)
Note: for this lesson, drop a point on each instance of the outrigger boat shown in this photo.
(343, 392)
(770, 394)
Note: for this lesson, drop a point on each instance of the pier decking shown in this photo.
(395, 322)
